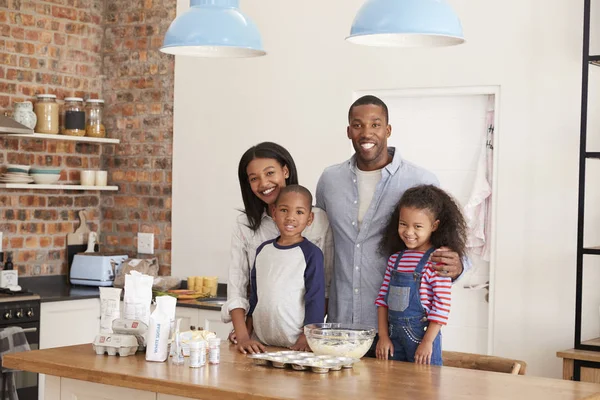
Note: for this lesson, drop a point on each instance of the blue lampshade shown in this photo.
(213, 28)
(406, 23)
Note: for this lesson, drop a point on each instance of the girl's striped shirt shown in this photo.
(435, 291)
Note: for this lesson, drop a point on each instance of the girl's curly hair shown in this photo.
(452, 229)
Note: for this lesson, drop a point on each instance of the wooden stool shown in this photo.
(483, 362)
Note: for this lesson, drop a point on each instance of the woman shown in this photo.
(263, 171)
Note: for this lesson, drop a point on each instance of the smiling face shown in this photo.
(415, 227)
(266, 177)
(369, 131)
(292, 214)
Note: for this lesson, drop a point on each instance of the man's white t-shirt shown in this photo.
(367, 182)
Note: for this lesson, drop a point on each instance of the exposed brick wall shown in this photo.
(138, 88)
(49, 46)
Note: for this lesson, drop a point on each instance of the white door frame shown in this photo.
(465, 91)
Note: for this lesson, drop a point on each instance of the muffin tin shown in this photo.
(302, 361)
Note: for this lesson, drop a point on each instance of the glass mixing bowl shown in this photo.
(341, 340)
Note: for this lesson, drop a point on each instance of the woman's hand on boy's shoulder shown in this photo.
(247, 345)
(447, 263)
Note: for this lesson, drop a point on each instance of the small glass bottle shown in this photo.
(197, 354)
(46, 110)
(214, 351)
(73, 117)
(94, 127)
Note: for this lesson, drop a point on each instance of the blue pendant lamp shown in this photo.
(213, 28)
(406, 23)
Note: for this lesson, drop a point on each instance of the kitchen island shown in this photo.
(76, 372)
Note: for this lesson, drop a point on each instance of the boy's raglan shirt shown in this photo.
(288, 291)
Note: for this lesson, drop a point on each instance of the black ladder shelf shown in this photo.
(584, 155)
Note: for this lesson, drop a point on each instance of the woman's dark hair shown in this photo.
(452, 229)
(253, 206)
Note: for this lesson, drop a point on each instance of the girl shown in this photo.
(414, 302)
(263, 171)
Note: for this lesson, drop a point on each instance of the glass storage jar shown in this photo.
(94, 127)
(46, 110)
(73, 117)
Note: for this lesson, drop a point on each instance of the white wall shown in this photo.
(445, 132)
(298, 96)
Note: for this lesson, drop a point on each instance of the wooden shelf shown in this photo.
(55, 187)
(593, 342)
(70, 138)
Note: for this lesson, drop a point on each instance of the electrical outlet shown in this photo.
(145, 243)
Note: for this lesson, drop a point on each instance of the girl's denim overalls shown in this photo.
(406, 316)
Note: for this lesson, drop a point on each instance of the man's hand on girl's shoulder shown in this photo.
(447, 263)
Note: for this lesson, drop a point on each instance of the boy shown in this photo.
(287, 280)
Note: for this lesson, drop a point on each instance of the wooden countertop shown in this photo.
(236, 377)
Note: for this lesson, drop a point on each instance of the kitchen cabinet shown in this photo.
(201, 318)
(71, 389)
(189, 317)
(211, 320)
(67, 323)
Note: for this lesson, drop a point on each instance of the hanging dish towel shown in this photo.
(12, 340)
(478, 208)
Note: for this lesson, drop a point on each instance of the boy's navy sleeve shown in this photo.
(314, 283)
(253, 291)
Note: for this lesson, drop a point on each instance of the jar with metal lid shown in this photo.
(94, 127)
(73, 117)
(46, 110)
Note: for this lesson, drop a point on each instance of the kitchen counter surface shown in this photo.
(56, 288)
(236, 377)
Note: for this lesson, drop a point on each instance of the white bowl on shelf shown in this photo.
(45, 179)
(18, 168)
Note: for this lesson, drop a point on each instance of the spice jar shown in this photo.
(73, 117)
(46, 110)
(93, 113)
(214, 350)
(197, 354)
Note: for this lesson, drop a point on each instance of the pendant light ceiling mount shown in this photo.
(213, 28)
(406, 23)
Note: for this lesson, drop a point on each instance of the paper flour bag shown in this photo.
(138, 296)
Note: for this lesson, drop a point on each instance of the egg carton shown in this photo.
(114, 343)
(131, 327)
(303, 361)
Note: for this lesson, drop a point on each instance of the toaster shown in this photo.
(95, 269)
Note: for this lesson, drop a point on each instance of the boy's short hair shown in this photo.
(296, 189)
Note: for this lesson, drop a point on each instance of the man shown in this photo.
(359, 195)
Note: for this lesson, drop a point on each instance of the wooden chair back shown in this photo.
(483, 362)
